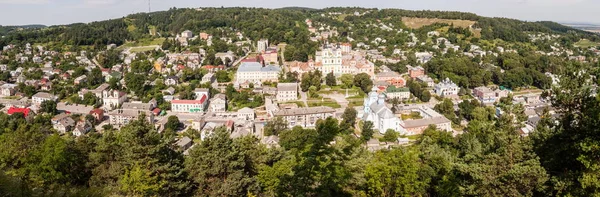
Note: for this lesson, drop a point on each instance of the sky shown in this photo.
(57, 12)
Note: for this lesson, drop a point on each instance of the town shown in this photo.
(406, 90)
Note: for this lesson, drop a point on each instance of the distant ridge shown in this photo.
(296, 8)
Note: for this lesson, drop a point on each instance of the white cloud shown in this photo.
(24, 1)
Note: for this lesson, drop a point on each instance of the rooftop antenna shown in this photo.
(149, 10)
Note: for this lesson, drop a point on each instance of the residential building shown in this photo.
(200, 92)
(270, 55)
(98, 114)
(426, 80)
(187, 34)
(172, 81)
(62, 123)
(8, 89)
(287, 92)
(40, 97)
(262, 45)
(254, 72)
(82, 128)
(305, 117)
(488, 96)
(81, 79)
(429, 117)
(393, 78)
(190, 106)
(209, 78)
(120, 117)
(227, 57)
(112, 99)
(137, 105)
(446, 88)
(415, 72)
(218, 104)
(392, 92)
(382, 116)
(246, 114)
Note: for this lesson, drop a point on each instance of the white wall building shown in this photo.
(446, 88)
(40, 97)
(190, 106)
(254, 72)
(377, 112)
(287, 92)
(112, 99)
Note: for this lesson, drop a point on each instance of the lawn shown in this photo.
(299, 103)
(416, 23)
(324, 102)
(585, 43)
(141, 49)
(143, 42)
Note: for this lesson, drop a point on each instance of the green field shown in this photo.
(141, 49)
(143, 42)
(324, 102)
(585, 43)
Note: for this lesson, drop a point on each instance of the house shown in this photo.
(81, 79)
(287, 92)
(112, 99)
(218, 104)
(190, 106)
(82, 128)
(209, 78)
(256, 73)
(305, 117)
(98, 114)
(200, 92)
(426, 80)
(184, 143)
(40, 97)
(446, 88)
(169, 91)
(415, 72)
(62, 123)
(8, 89)
(187, 34)
(172, 81)
(392, 92)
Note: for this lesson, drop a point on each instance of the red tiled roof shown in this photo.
(13, 110)
(97, 111)
(156, 111)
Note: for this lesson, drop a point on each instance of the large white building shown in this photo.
(190, 106)
(377, 112)
(446, 88)
(112, 99)
(287, 92)
(330, 59)
(254, 72)
(40, 97)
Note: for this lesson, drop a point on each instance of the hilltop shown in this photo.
(259, 22)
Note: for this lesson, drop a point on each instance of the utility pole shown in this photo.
(149, 10)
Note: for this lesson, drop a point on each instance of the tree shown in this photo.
(49, 107)
(367, 131)
(395, 173)
(275, 126)
(446, 107)
(347, 80)
(223, 166)
(330, 79)
(222, 76)
(390, 136)
(172, 123)
(364, 82)
(348, 119)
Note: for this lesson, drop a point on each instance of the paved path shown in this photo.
(304, 98)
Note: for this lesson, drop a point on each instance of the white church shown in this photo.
(382, 117)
